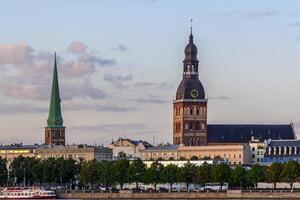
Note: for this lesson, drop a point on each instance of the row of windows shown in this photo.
(191, 111)
(189, 126)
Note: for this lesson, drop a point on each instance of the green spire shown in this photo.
(55, 119)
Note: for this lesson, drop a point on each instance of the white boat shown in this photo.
(26, 193)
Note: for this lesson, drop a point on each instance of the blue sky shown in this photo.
(120, 63)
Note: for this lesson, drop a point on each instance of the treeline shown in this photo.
(88, 174)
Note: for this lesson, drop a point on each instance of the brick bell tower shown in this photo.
(190, 104)
(55, 131)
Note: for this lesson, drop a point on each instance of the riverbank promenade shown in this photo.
(230, 194)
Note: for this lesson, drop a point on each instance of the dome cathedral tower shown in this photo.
(190, 105)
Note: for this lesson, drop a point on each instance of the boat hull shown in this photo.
(37, 197)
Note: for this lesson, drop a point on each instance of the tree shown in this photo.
(274, 173)
(221, 173)
(257, 174)
(22, 169)
(121, 169)
(169, 174)
(136, 171)
(105, 173)
(203, 174)
(187, 174)
(238, 177)
(89, 172)
(291, 171)
(154, 174)
(3, 171)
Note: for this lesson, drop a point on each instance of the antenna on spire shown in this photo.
(191, 26)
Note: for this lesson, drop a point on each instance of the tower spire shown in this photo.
(55, 118)
(191, 27)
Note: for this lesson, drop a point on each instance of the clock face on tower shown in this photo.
(194, 93)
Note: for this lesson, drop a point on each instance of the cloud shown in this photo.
(262, 13)
(109, 128)
(32, 72)
(162, 85)
(6, 109)
(116, 78)
(246, 14)
(121, 47)
(297, 24)
(15, 54)
(149, 100)
(97, 107)
(219, 98)
(77, 47)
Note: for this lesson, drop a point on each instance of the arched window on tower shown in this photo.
(186, 126)
(191, 126)
(191, 141)
(197, 111)
(191, 111)
(197, 125)
(198, 141)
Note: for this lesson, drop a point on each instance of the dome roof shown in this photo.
(190, 50)
(190, 89)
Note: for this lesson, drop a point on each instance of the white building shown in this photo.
(130, 147)
(258, 150)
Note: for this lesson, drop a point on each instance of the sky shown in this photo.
(120, 62)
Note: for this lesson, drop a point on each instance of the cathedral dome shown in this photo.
(190, 89)
(190, 51)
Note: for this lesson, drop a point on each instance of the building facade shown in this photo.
(55, 131)
(234, 154)
(76, 152)
(190, 104)
(282, 151)
(258, 150)
(130, 147)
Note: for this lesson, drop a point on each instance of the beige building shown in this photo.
(130, 147)
(77, 152)
(234, 154)
(164, 152)
(10, 152)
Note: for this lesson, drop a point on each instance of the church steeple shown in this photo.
(55, 118)
(55, 131)
(190, 62)
(190, 104)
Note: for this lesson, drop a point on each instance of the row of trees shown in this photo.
(29, 171)
(25, 170)
(122, 171)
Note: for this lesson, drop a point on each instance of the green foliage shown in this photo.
(257, 174)
(89, 173)
(136, 171)
(121, 170)
(221, 173)
(3, 171)
(169, 174)
(187, 174)
(154, 174)
(291, 171)
(274, 173)
(203, 174)
(105, 173)
(238, 177)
